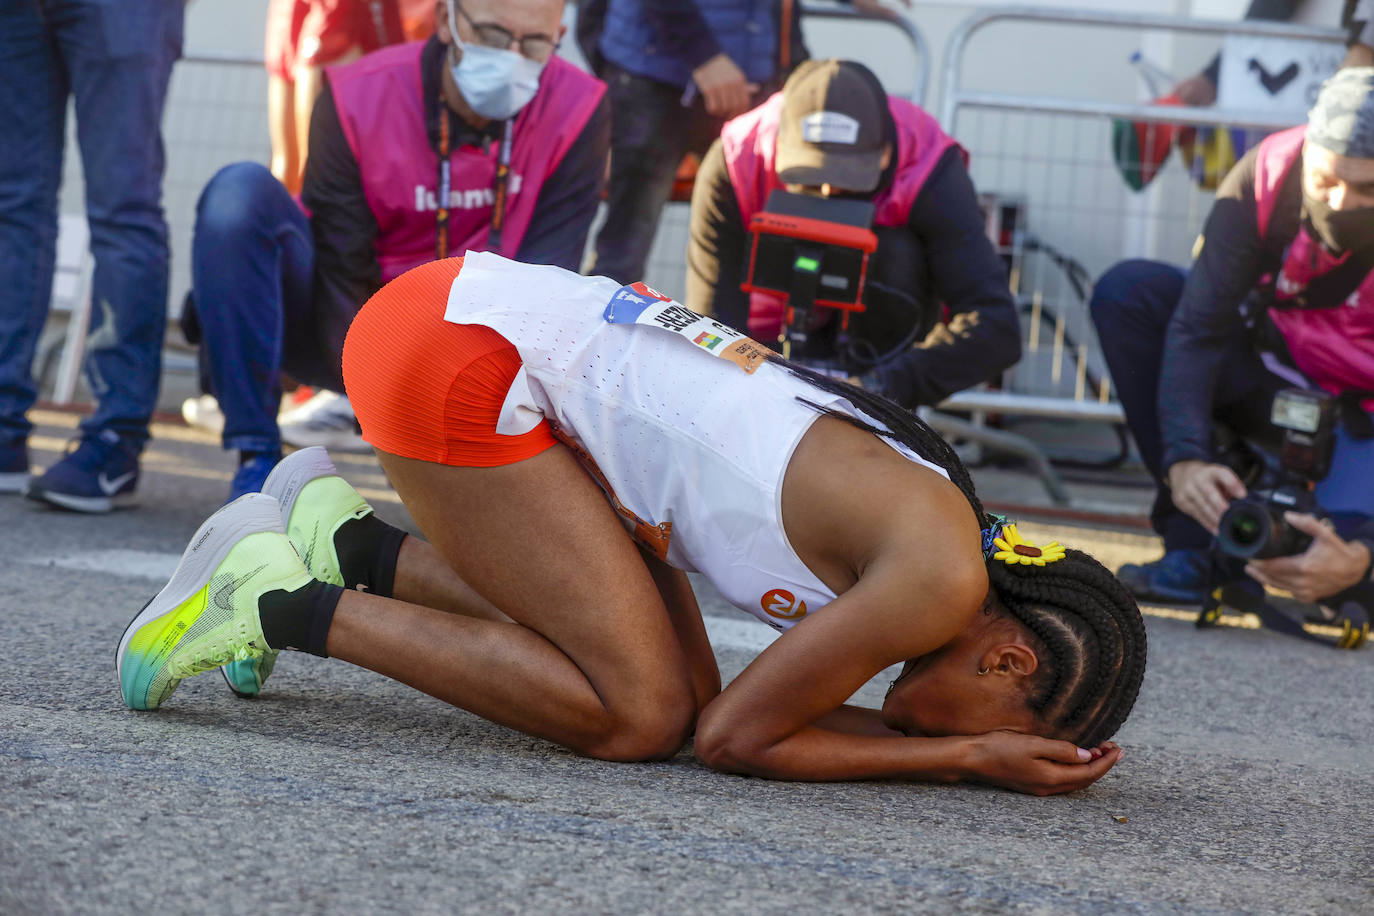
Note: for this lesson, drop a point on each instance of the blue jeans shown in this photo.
(252, 266)
(114, 59)
(1131, 306)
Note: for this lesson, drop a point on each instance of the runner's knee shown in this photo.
(654, 730)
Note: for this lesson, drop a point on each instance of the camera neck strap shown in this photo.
(1353, 415)
(1327, 290)
(499, 191)
(785, 38)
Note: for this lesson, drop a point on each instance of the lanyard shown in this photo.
(498, 192)
(499, 189)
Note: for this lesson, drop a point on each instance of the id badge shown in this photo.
(641, 304)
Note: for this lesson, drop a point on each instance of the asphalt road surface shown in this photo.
(1245, 788)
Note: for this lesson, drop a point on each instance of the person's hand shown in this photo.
(1359, 55)
(1330, 565)
(1038, 766)
(1204, 490)
(724, 87)
(876, 8)
(1197, 91)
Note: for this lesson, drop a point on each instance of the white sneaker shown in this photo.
(326, 419)
(203, 413)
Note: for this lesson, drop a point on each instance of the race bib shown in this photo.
(640, 304)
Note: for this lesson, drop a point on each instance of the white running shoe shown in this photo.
(315, 502)
(327, 420)
(207, 614)
(203, 413)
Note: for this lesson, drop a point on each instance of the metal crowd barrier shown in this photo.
(216, 114)
(919, 49)
(1051, 159)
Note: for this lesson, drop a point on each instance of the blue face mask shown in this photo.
(495, 83)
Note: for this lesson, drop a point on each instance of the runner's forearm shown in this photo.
(817, 754)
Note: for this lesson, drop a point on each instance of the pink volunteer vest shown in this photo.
(383, 117)
(1334, 347)
(750, 144)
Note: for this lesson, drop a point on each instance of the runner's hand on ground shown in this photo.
(1038, 766)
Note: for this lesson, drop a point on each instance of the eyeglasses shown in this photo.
(537, 46)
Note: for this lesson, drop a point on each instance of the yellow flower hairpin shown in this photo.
(1014, 549)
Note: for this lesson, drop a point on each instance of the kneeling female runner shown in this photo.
(570, 448)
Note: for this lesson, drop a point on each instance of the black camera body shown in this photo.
(1253, 527)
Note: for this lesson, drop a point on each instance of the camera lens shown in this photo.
(1245, 530)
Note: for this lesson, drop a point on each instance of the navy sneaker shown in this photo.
(100, 474)
(252, 473)
(1179, 577)
(14, 466)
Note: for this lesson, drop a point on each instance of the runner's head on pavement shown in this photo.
(1059, 644)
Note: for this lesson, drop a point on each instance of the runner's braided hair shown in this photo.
(1090, 635)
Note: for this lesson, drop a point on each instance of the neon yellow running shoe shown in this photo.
(207, 614)
(315, 501)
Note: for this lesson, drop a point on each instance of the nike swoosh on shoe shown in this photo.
(110, 487)
(224, 596)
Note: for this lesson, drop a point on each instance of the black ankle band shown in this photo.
(384, 570)
(368, 548)
(301, 619)
(323, 606)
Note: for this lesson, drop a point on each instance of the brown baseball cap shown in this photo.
(834, 126)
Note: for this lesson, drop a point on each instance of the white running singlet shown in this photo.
(683, 436)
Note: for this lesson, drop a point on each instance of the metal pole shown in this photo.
(901, 23)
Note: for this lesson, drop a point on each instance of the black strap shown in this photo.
(500, 186)
(499, 191)
(1326, 291)
(1353, 414)
(445, 185)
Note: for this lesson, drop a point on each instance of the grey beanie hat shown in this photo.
(1342, 121)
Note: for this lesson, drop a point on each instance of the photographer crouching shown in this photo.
(1280, 297)
(939, 315)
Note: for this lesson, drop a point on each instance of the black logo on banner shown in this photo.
(676, 317)
(1274, 83)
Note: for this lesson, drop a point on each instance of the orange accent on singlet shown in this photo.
(429, 389)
